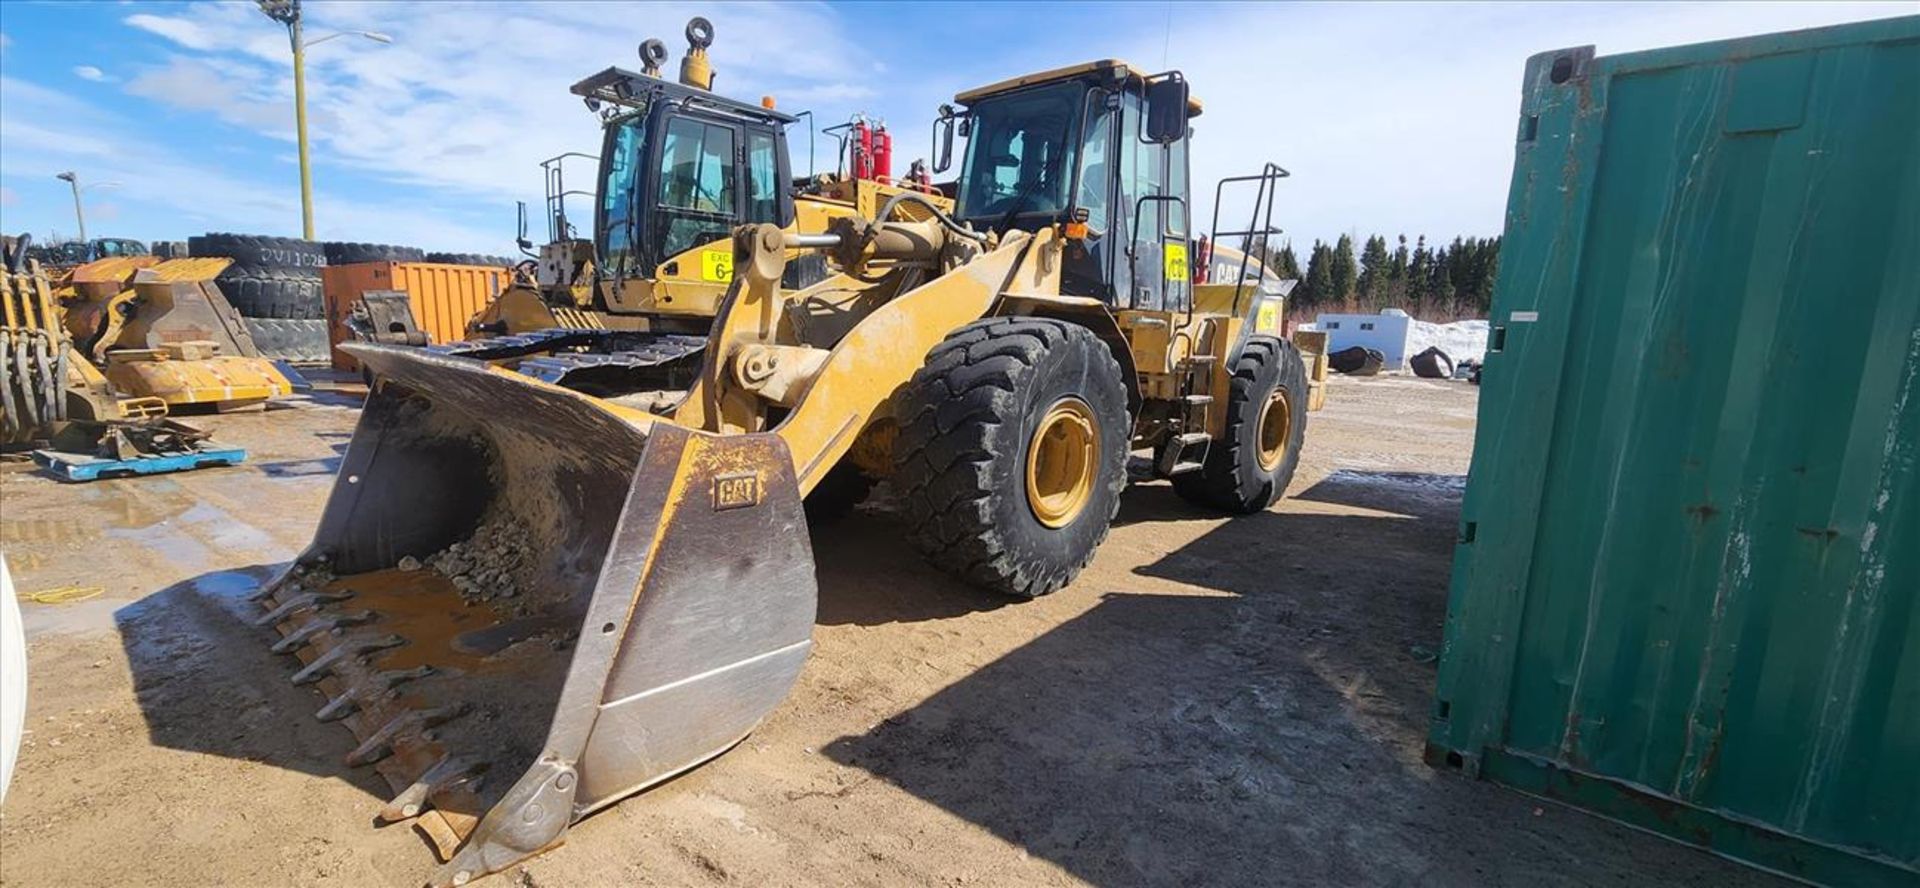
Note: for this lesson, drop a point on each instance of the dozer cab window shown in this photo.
(1018, 159)
(696, 194)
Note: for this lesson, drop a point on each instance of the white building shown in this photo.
(1386, 332)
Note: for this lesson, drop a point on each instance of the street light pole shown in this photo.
(287, 12)
(79, 217)
(300, 122)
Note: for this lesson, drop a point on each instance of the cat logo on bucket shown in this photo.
(736, 491)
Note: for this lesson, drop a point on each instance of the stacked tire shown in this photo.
(470, 259)
(274, 282)
(346, 253)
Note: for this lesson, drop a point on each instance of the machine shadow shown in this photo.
(207, 682)
(870, 576)
(1247, 738)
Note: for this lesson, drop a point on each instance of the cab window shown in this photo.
(763, 179)
(1017, 156)
(696, 193)
(625, 139)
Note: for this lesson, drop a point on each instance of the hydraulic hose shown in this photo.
(939, 215)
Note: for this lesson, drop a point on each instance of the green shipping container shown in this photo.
(1687, 588)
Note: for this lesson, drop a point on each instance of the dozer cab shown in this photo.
(680, 166)
(527, 602)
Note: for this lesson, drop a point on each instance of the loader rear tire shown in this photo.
(1012, 453)
(1253, 463)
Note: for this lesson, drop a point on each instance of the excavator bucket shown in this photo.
(526, 603)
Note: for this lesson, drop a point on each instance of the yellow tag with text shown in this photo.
(716, 266)
(1175, 256)
(1267, 319)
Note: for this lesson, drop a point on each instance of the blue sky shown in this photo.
(1393, 118)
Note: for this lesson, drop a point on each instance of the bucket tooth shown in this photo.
(324, 664)
(317, 625)
(358, 695)
(293, 575)
(380, 744)
(446, 772)
(298, 603)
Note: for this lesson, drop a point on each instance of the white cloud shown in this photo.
(48, 131)
(89, 72)
(471, 96)
(202, 85)
(183, 31)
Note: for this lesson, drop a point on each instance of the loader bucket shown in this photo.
(526, 603)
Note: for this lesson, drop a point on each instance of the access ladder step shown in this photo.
(1181, 468)
(1196, 400)
(1191, 439)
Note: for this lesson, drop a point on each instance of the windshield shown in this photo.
(625, 150)
(1016, 159)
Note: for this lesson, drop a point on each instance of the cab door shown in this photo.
(698, 195)
(1151, 273)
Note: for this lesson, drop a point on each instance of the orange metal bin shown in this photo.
(443, 296)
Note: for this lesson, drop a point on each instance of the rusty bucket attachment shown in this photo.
(526, 603)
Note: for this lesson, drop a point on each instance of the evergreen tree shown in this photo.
(1343, 270)
(1373, 271)
(1286, 266)
(1317, 288)
(1419, 270)
(1440, 281)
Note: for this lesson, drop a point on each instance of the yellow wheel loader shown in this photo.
(527, 602)
(680, 166)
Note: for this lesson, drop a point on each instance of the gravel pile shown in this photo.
(493, 563)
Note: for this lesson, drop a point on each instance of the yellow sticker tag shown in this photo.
(716, 266)
(1267, 319)
(1175, 256)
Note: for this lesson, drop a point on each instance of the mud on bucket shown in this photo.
(526, 603)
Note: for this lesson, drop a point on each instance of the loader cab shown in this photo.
(1101, 146)
(680, 167)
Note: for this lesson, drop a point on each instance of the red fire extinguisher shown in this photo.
(861, 146)
(882, 153)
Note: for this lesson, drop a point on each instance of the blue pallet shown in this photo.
(78, 467)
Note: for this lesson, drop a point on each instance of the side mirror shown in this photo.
(943, 139)
(521, 239)
(1167, 109)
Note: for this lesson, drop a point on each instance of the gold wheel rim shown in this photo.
(1276, 429)
(1060, 462)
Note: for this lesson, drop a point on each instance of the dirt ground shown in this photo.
(1214, 701)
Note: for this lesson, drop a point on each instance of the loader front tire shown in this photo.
(1012, 453)
(1253, 463)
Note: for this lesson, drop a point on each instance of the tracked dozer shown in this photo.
(680, 166)
(526, 602)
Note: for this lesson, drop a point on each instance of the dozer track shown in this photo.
(600, 362)
(517, 633)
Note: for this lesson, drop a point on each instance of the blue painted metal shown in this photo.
(78, 467)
